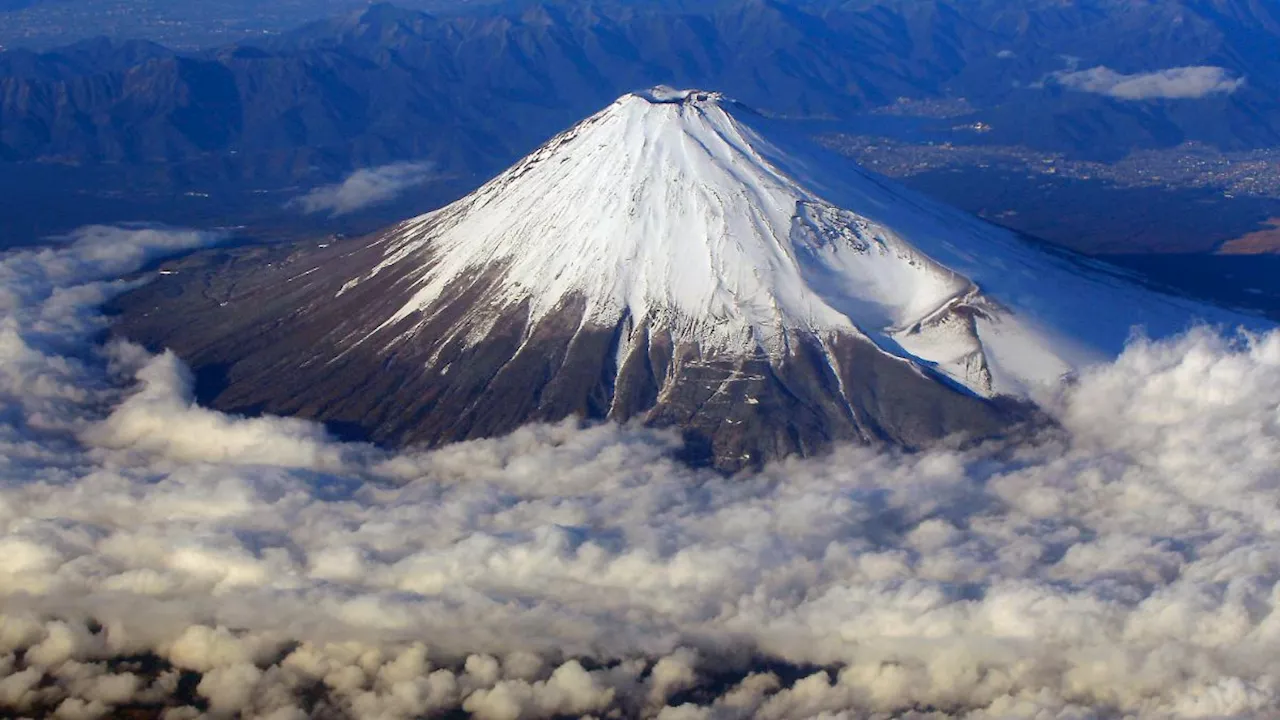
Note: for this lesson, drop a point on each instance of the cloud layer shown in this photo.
(156, 554)
(364, 188)
(1173, 83)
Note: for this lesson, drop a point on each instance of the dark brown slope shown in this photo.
(266, 330)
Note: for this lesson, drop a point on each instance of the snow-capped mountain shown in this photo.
(676, 260)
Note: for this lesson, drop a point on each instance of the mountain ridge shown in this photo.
(389, 83)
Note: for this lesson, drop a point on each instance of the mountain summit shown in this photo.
(671, 260)
(664, 211)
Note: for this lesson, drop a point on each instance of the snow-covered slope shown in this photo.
(679, 209)
(675, 260)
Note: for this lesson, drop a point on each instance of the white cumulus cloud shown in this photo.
(1125, 563)
(365, 188)
(1172, 83)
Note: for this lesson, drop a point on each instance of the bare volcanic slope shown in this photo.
(670, 260)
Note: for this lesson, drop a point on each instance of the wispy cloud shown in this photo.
(364, 188)
(1172, 83)
(1123, 564)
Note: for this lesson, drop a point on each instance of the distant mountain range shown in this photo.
(475, 89)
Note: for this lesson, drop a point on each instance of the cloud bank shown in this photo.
(160, 557)
(1173, 83)
(364, 188)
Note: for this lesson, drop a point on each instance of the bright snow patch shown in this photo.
(666, 207)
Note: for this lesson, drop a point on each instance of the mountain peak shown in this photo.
(670, 210)
(673, 262)
(666, 209)
(667, 95)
